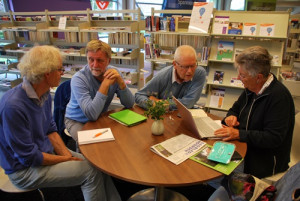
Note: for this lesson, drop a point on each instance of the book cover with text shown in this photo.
(235, 28)
(220, 25)
(200, 18)
(267, 29)
(249, 29)
(218, 77)
(225, 50)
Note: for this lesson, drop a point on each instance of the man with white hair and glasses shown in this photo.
(184, 80)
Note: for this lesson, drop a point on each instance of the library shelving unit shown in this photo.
(291, 67)
(292, 56)
(166, 41)
(21, 30)
(274, 43)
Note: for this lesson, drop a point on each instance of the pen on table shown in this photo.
(98, 134)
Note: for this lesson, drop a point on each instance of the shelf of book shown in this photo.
(108, 26)
(74, 29)
(292, 53)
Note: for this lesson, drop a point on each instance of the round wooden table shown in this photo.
(129, 157)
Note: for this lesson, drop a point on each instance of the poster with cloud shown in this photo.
(200, 18)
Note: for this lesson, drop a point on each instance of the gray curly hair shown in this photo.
(255, 60)
(38, 61)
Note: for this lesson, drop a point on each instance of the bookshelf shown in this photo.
(274, 43)
(161, 44)
(291, 64)
(292, 55)
(21, 30)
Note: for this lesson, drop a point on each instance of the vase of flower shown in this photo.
(156, 110)
(158, 127)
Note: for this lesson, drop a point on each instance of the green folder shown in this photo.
(128, 117)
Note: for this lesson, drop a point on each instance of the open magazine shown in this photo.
(179, 148)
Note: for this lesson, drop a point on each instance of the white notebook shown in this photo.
(95, 135)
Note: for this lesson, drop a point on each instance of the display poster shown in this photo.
(220, 25)
(200, 18)
(267, 29)
(249, 29)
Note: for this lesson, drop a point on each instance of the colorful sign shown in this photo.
(102, 4)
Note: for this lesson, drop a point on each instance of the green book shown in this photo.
(201, 157)
(128, 117)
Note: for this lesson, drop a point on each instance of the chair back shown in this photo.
(61, 99)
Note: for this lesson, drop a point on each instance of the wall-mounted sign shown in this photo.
(102, 4)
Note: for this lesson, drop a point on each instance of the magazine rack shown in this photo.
(274, 43)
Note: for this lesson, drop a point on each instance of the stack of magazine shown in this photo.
(201, 157)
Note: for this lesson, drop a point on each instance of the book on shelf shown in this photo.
(127, 117)
(220, 25)
(275, 59)
(163, 24)
(217, 97)
(95, 135)
(236, 82)
(172, 25)
(155, 23)
(267, 29)
(218, 77)
(201, 157)
(200, 17)
(148, 24)
(237, 51)
(249, 29)
(225, 50)
(235, 28)
(147, 51)
(179, 148)
(127, 17)
(295, 23)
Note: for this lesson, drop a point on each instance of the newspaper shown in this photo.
(178, 148)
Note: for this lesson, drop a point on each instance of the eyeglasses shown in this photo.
(61, 70)
(187, 67)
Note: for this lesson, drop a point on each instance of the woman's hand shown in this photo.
(228, 133)
(231, 121)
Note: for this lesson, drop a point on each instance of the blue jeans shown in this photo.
(216, 183)
(73, 127)
(288, 183)
(95, 185)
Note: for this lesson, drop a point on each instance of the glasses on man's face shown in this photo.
(187, 67)
(61, 70)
